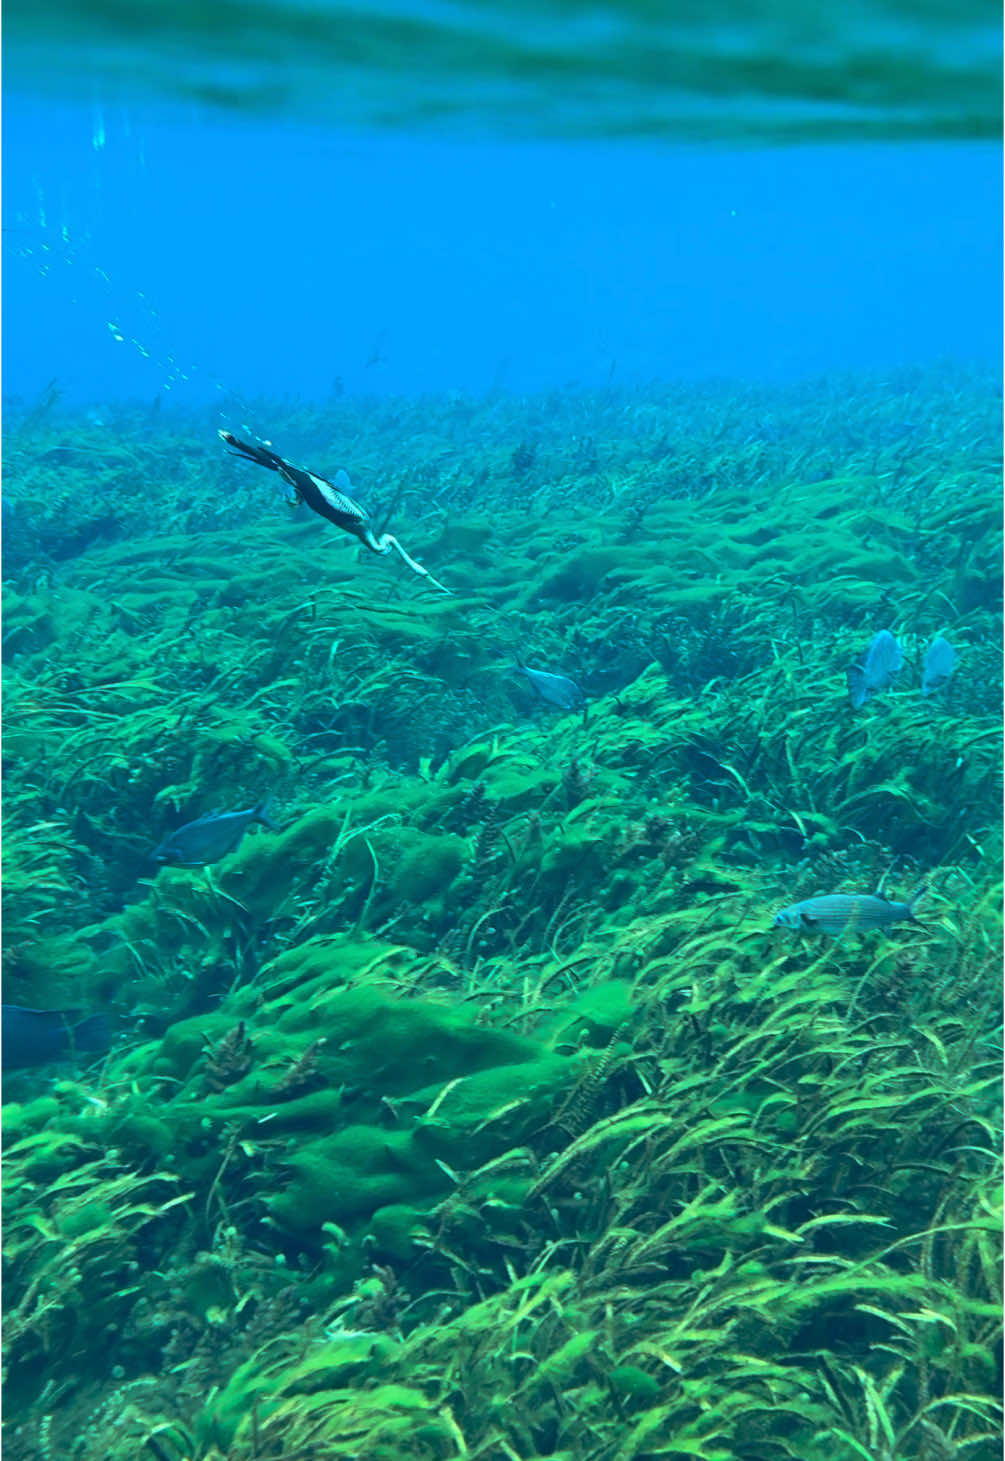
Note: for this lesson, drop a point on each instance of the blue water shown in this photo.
(260, 256)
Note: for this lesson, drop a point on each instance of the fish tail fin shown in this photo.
(263, 813)
(858, 690)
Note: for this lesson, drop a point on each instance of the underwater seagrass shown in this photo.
(479, 1111)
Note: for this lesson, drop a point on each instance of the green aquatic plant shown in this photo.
(73, 1233)
(480, 1111)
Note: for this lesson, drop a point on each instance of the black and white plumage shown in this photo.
(329, 500)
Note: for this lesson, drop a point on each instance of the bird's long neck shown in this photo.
(380, 545)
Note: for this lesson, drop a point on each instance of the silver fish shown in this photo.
(837, 913)
(940, 662)
(210, 837)
(883, 660)
(556, 689)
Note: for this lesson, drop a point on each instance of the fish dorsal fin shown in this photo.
(882, 882)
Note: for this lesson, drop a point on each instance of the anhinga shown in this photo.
(329, 499)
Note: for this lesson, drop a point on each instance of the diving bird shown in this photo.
(329, 500)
